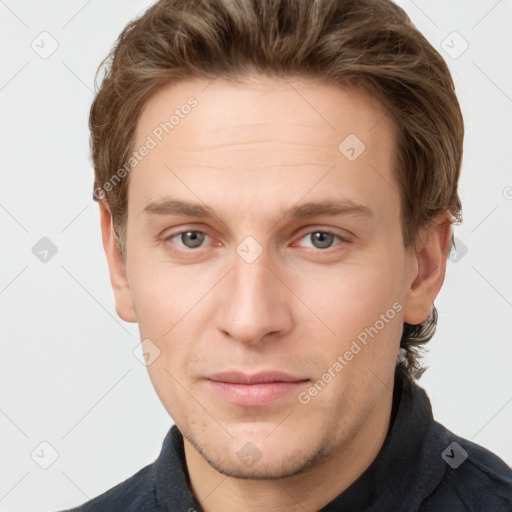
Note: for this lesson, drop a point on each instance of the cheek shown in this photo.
(362, 307)
(173, 397)
(353, 295)
(168, 301)
(159, 292)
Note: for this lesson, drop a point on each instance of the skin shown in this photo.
(251, 152)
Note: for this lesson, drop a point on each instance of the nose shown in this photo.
(254, 301)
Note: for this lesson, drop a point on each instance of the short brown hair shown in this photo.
(370, 44)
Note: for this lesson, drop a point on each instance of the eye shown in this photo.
(189, 239)
(323, 239)
(192, 239)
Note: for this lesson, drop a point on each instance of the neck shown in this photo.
(310, 490)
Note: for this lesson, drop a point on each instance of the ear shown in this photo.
(116, 266)
(427, 268)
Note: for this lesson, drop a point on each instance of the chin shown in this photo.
(256, 452)
(277, 466)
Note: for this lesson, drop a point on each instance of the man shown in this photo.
(277, 182)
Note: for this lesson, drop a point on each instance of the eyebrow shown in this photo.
(302, 211)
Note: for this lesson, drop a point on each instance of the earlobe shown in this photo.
(116, 266)
(428, 268)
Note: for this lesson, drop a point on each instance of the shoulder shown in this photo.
(135, 494)
(475, 479)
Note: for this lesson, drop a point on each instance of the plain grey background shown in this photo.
(74, 396)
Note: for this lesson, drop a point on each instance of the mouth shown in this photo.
(254, 390)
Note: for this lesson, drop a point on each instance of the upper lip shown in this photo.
(235, 377)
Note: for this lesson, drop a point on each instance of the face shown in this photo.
(266, 267)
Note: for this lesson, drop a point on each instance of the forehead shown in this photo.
(261, 138)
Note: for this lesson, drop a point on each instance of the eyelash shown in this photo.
(323, 231)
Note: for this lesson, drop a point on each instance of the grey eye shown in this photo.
(322, 240)
(192, 239)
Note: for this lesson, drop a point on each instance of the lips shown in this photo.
(255, 378)
(253, 390)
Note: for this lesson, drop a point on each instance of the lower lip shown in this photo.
(253, 395)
